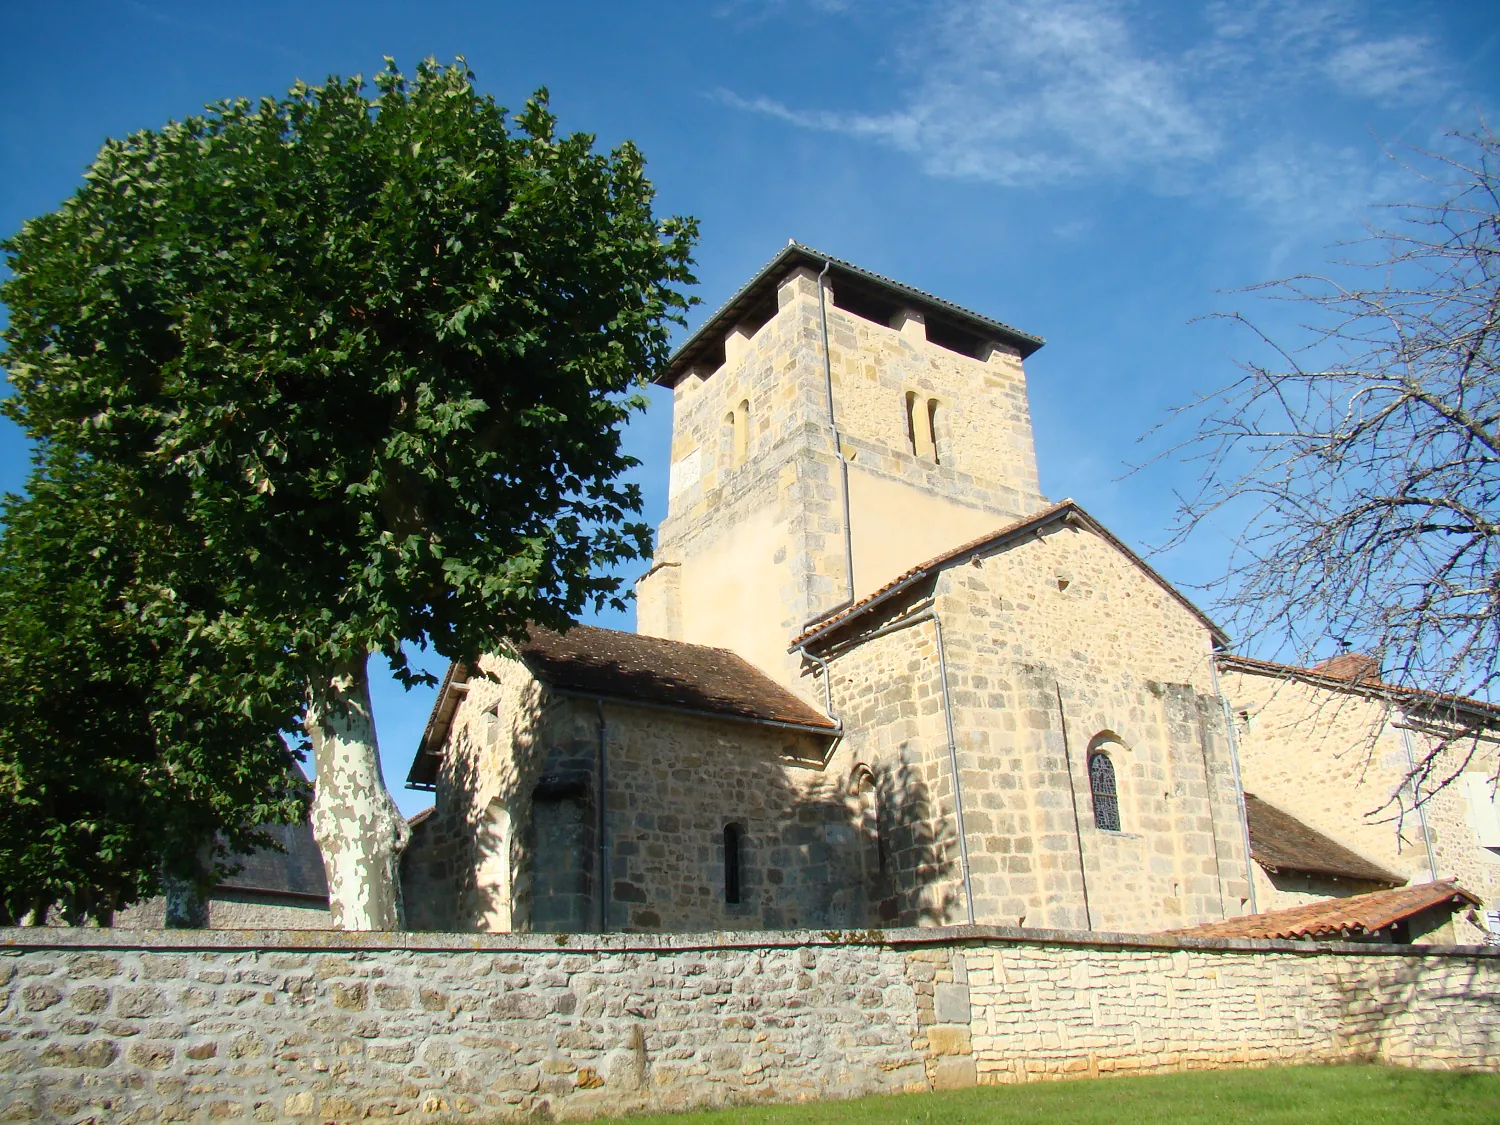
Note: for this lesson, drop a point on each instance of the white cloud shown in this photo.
(1388, 70)
(1032, 92)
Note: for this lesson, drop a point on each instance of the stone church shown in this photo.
(879, 679)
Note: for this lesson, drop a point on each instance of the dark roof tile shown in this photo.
(632, 666)
(1281, 842)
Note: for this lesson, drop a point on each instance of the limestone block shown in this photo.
(955, 1072)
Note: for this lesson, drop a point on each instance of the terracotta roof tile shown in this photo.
(1355, 916)
(1281, 842)
(1353, 666)
(632, 666)
(635, 668)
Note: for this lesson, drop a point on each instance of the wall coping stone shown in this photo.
(19, 939)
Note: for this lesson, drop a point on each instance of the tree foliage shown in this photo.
(378, 352)
(1361, 468)
(372, 355)
(130, 749)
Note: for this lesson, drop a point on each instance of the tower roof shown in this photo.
(706, 343)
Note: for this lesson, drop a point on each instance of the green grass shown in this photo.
(1338, 1095)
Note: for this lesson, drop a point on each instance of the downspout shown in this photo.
(1239, 786)
(1062, 718)
(601, 801)
(1416, 797)
(838, 450)
(929, 613)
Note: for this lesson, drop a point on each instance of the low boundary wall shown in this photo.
(328, 1026)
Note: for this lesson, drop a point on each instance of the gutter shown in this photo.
(1416, 796)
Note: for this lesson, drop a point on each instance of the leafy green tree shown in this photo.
(375, 353)
(132, 756)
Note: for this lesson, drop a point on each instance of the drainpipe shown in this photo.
(1416, 796)
(1239, 787)
(601, 764)
(1062, 718)
(928, 612)
(838, 449)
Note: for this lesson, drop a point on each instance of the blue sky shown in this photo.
(1099, 172)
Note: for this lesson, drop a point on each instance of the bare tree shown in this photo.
(1360, 467)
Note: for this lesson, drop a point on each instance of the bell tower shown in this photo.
(831, 428)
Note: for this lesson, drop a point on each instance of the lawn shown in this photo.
(1357, 1095)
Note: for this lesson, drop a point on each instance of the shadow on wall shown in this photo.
(1401, 1012)
(768, 846)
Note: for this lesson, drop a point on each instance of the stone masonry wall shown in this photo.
(330, 1027)
(1334, 760)
(1055, 646)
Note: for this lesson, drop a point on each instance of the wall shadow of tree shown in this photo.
(869, 849)
(1419, 1011)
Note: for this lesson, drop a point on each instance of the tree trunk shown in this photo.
(186, 905)
(356, 823)
(186, 883)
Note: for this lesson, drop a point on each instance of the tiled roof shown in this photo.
(645, 669)
(1355, 916)
(762, 286)
(634, 668)
(1353, 666)
(1063, 510)
(1489, 713)
(297, 871)
(1281, 842)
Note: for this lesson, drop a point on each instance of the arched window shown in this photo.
(923, 418)
(1102, 786)
(741, 431)
(736, 439)
(734, 837)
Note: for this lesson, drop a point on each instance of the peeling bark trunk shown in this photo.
(358, 828)
(186, 884)
(186, 905)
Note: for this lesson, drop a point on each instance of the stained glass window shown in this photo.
(1102, 785)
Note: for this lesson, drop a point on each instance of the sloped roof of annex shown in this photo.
(635, 669)
(1356, 916)
(1280, 842)
(1065, 512)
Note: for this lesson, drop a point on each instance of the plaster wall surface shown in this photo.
(1336, 761)
(331, 1027)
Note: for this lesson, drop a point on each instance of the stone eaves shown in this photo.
(762, 287)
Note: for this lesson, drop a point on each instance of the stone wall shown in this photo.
(497, 855)
(319, 1026)
(753, 542)
(1336, 760)
(1056, 646)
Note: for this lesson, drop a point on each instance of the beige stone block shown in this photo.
(955, 1072)
(949, 1039)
